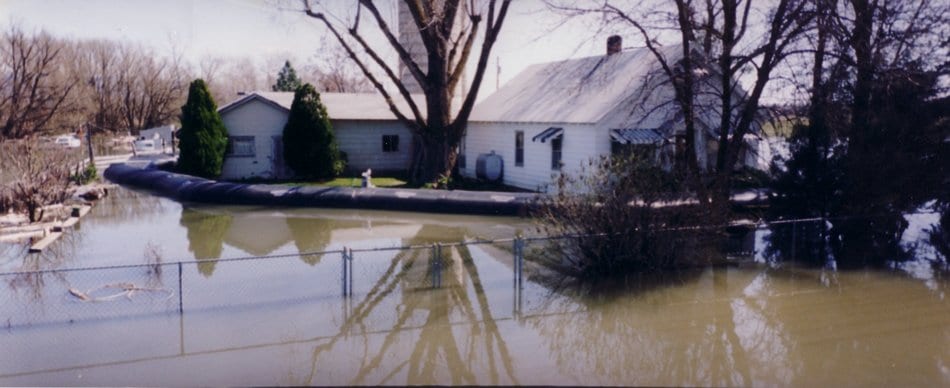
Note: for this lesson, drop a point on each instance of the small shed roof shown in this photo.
(580, 90)
(340, 106)
(550, 133)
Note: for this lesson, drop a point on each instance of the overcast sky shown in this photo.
(258, 29)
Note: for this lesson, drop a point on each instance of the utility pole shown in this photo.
(88, 128)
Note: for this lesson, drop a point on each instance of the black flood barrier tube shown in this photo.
(193, 189)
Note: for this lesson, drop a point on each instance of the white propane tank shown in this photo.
(489, 167)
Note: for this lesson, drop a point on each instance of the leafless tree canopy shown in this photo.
(50, 85)
(448, 46)
(331, 71)
(128, 87)
(34, 85)
(719, 40)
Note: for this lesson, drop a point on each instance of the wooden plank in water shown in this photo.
(67, 223)
(14, 237)
(45, 242)
(70, 222)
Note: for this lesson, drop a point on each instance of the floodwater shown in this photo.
(284, 320)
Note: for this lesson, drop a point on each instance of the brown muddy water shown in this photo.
(285, 321)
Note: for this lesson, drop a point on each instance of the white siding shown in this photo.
(581, 143)
(363, 143)
(262, 121)
(362, 140)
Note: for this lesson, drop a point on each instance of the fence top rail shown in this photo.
(280, 256)
(760, 223)
(170, 263)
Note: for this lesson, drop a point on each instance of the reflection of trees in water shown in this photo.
(940, 235)
(154, 267)
(436, 340)
(56, 255)
(872, 241)
(770, 327)
(613, 342)
(206, 233)
(871, 324)
(125, 205)
(313, 234)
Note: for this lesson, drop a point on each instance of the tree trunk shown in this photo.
(437, 161)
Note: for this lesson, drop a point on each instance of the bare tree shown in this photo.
(126, 87)
(717, 44)
(230, 77)
(35, 177)
(33, 82)
(438, 128)
(331, 71)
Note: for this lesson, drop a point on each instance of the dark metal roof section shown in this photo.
(636, 136)
(549, 133)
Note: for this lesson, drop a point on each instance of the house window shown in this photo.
(241, 146)
(643, 151)
(390, 143)
(519, 148)
(556, 152)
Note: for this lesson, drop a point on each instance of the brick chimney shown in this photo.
(614, 44)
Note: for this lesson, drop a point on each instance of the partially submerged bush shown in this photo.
(34, 177)
(617, 218)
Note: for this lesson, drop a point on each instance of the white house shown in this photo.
(554, 117)
(365, 129)
(161, 135)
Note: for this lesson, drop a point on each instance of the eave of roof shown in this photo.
(340, 106)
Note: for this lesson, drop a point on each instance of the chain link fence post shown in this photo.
(349, 271)
(181, 307)
(343, 272)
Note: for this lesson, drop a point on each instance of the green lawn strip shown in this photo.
(355, 182)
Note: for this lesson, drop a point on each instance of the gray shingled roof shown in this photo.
(340, 106)
(580, 90)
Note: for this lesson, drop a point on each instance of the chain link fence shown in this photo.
(365, 278)
(72, 295)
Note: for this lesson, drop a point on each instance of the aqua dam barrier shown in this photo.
(193, 189)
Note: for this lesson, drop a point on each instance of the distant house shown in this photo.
(155, 139)
(553, 117)
(366, 131)
(161, 134)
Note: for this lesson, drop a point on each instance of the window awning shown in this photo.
(636, 136)
(549, 133)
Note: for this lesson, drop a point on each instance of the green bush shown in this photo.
(203, 139)
(85, 176)
(310, 147)
(287, 80)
